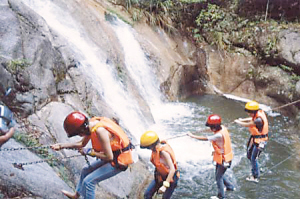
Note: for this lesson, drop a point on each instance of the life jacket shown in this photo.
(161, 168)
(255, 134)
(119, 142)
(227, 156)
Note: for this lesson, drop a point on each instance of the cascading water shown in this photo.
(171, 119)
(108, 85)
(93, 65)
(168, 116)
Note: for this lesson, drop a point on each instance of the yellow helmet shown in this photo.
(148, 138)
(251, 106)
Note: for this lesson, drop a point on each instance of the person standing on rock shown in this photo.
(222, 155)
(258, 127)
(166, 174)
(110, 145)
(7, 122)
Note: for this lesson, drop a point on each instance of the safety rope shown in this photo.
(24, 148)
(200, 131)
(289, 104)
(276, 165)
(33, 147)
(20, 165)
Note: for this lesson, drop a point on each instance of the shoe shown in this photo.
(216, 197)
(228, 189)
(252, 179)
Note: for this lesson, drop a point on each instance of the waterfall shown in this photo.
(167, 115)
(171, 118)
(87, 54)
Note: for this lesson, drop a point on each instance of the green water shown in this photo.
(280, 176)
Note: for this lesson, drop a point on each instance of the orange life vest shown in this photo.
(263, 135)
(118, 141)
(227, 156)
(161, 168)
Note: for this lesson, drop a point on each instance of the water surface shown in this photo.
(280, 175)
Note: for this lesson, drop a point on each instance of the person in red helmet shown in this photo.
(110, 145)
(223, 154)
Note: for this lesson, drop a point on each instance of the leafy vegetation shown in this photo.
(18, 64)
(31, 141)
(225, 24)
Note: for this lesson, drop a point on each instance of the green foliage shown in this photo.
(18, 64)
(32, 141)
(295, 77)
(209, 17)
(65, 174)
(110, 16)
(137, 14)
(271, 45)
(197, 35)
(27, 140)
(285, 68)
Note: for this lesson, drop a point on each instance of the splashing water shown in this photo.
(171, 119)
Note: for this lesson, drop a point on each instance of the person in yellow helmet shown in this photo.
(166, 174)
(258, 128)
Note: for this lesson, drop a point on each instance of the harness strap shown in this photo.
(260, 136)
(118, 152)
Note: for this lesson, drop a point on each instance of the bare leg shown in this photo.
(70, 195)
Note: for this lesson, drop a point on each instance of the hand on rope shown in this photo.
(87, 151)
(58, 147)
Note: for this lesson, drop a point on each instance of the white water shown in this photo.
(87, 54)
(106, 82)
(170, 118)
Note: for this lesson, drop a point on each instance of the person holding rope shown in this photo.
(222, 155)
(110, 145)
(166, 174)
(7, 122)
(258, 128)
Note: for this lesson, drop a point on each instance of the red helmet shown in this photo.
(75, 123)
(213, 120)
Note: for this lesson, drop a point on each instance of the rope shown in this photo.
(276, 165)
(20, 165)
(24, 148)
(32, 147)
(279, 107)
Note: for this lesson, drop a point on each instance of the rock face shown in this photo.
(47, 83)
(39, 180)
(289, 48)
